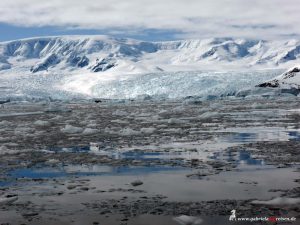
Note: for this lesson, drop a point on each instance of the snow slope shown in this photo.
(91, 54)
(288, 80)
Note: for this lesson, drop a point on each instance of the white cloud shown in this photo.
(190, 18)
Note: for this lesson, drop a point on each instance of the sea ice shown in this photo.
(148, 130)
(8, 200)
(278, 201)
(129, 132)
(88, 131)
(41, 123)
(69, 129)
(188, 220)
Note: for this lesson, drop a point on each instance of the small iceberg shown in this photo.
(8, 199)
(188, 220)
(278, 201)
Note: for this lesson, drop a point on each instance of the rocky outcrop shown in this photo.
(45, 64)
(103, 65)
(288, 82)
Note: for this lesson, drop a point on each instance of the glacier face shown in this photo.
(181, 84)
(157, 85)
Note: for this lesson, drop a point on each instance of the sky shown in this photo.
(152, 20)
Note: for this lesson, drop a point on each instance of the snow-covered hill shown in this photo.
(288, 80)
(102, 54)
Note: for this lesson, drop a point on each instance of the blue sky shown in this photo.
(151, 20)
(12, 32)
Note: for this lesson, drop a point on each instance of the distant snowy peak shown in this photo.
(103, 53)
(287, 80)
(71, 52)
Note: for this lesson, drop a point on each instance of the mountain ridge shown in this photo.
(100, 53)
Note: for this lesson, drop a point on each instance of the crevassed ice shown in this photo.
(169, 85)
(181, 84)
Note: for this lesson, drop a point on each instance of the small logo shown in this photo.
(233, 215)
(272, 219)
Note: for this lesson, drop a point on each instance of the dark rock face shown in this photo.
(234, 50)
(78, 61)
(291, 73)
(103, 65)
(45, 64)
(296, 70)
(4, 101)
(272, 84)
(84, 61)
(291, 54)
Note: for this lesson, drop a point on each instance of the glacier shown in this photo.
(163, 85)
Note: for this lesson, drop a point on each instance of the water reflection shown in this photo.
(86, 170)
(237, 157)
(262, 135)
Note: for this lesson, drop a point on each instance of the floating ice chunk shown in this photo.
(179, 109)
(47, 151)
(24, 131)
(91, 125)
(57, 118)
(144, 114)
(5, 123)
(119, 113)
(129, 132)
(256, 105)
(278, 201)
(175, 121)
(148, 130)
(110, 131)
(163, 112)
(95, 146)
(208, 115)
(88, 131)
(69, 129)
(119, 121)
(41, 123)
(173, 130)
(216, 105)
(188, 220)
(8, 200)
(52, 161)
(3, 149)
(99, 148)
(136, 183)
(11, 144)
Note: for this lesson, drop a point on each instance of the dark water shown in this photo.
(81, 170)
(274, 134)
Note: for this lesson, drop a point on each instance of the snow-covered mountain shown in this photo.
(102, 54)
